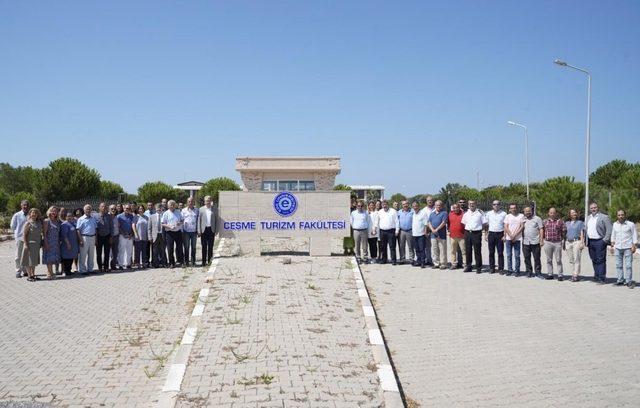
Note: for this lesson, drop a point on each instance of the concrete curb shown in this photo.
(389, 386)
(180, 360)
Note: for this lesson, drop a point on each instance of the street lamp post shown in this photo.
(526, 151)
(588, 141)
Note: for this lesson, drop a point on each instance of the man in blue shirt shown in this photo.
(125, 244)
(405, 220)
(360, 222)
(86, 228)
(438, 229)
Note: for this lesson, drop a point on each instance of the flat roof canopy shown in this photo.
(284, 163)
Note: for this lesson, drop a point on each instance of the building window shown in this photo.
(269, 186)
(307, 185)
(288, 185)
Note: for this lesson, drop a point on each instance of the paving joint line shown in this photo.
(390, 386)
(180, 359)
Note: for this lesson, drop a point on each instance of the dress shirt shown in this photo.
(624, 235)
(495, 219)
(105, 224)
(373, 225)
(190, 218)
(405, 219)
(125, 224)
(142, 226)
(87, 225)
(531, 232)
(514, 222)
(592, 229)
(435, 220)
(473, 220)
(17, 224)
(388, 219)
(418, 222)
(360, 220)
(172, 218)
(428, 210)
(553, 230)
(573, 229)
(207, 214)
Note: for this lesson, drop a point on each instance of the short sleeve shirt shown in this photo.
(531, 232)
(513, 222)
(436, 219)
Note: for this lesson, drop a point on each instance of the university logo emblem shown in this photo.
(285, 204)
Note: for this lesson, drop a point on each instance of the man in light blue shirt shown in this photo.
(172, 224)
(86, 228)
(405, 221)
(360, 222)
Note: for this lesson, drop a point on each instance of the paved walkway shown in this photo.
(461, 339)
(282, 335)
(98, 340)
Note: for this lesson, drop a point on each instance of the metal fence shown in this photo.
(93, 201)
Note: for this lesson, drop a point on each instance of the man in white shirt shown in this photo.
(428, 250)
(17, 226)
(495, 224)
(473, 221)
(418, 234)
(389, 228)
(190, 216)
(624, 239)
(207, 229)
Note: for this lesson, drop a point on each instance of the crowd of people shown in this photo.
(118, 236)
(420, 235)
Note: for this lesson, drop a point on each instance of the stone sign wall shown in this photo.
(248, 216)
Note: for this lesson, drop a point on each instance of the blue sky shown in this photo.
(411, 95)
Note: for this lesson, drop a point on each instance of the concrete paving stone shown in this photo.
(462, 339)
(80, 337)
(284, 324)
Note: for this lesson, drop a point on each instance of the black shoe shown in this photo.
(383, 262)
(492, 271)
(631, 285)
(394, 263)
(508, 273)
(467, 269)
(530, 275)
(516, 274)
(501, 271)
(423, 266)
(479, 270)
(619, 283)
(560, 278)
(548, 276)
(415, 264)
